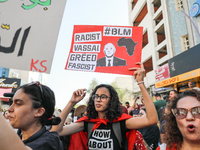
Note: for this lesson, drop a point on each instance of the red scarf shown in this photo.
(79, 140)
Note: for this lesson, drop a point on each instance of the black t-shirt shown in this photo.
(151, 135)
(47, 141)
(103, 138)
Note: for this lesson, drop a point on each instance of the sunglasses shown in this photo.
(181, 113)
(102, 97)
(38, 84)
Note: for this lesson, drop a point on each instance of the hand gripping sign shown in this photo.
(107, 49)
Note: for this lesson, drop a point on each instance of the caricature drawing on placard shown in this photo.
(110, 59)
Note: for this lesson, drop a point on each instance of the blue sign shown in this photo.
(195, 9)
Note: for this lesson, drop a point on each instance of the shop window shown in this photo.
(186, 85)
(185, 43)
(141, 16)
(145, 40)
(179, 5)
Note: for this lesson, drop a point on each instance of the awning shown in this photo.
(182, 77)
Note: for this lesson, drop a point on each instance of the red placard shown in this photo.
(107, 49)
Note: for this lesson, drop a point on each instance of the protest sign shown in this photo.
(107, 49)
(28, 33)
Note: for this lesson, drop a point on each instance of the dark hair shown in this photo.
(127, 103)
(157, 94)
(173, 134)
(47, 101)
(113, 109)
(175, 92)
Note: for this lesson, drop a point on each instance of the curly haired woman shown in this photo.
(183, 122)
(104, 110)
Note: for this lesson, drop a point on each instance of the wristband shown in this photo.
(140, 82)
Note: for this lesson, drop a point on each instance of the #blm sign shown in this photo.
(106, 49)
(28, 33)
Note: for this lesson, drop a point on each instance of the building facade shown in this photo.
(168, 30)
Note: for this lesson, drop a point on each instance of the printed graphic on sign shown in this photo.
(100, 140)
(28, 33)
(107, 49)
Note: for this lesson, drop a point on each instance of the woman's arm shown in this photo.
(151, 117)
(9, 140)
(77, 96)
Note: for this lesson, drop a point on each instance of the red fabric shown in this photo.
(139, 143)
(81, 137)
(78, 141)
(124, 109)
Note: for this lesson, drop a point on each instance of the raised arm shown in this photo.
(151, 117)
(77, 96)
(8, 136)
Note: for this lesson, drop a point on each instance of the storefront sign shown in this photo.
(9, 83)
(179, 78)
(185, 62)
(162, 73)
(195, 9)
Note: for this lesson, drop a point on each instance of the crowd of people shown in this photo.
(169, 123)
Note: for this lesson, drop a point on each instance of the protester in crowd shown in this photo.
(190, 84)
(129, 108)
(104, 111)
(32, 109)
(124, 109)
(159, 103)
(173, 94)
(135, 110)
(6, 114)
(142, 101)
(150, 134)
(162, 125)
(80, 111)
(183, 122)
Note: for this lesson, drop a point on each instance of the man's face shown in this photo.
(172, 95)
(158, 97)
(127, 105)
(109, 49)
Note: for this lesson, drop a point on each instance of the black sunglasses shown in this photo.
(181, 113)
(38, 84)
